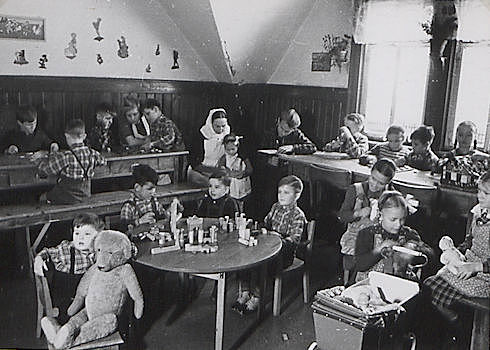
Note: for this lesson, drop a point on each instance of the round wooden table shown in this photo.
(231, 256)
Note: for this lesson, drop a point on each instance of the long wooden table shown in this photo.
(17, 171)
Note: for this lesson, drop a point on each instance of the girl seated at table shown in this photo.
(472, 278)
(360, 202)
(374, 243)
(465, 143)
(351, 140)
(393, 148)
(286, 220)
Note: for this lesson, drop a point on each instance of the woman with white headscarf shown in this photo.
(209, 148)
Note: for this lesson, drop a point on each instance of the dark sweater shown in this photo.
(301, 144)
(215, 208)
(25, 143)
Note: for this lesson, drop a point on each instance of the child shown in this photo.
(74, 167)
(288, 137)
(103, 137)
(164, 134)
(351, 140)
(392, 149)
(134, 129)
(288, 221)
(27, 136)
(422, 157)
(465, 143)
(238, 170)
(143, 207)
(473, 277)
(69, 260)
(374, 243)
(357, 208)
(217, 203)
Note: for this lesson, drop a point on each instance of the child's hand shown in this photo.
(39, 266)
(367, 159)
(400, 162)
(37, 155)
(54, 147)
(13, 149)
(468, 270)
(285, 149)
(364, 212)
(148, 218)
(388, 244)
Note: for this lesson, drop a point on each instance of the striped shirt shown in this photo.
(287, 220)
(77, 163)
(384, 151)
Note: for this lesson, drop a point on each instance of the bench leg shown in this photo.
(220, 312)
(479, 334)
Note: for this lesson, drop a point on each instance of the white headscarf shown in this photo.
(207, 129)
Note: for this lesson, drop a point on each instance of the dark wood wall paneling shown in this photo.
(252, 107)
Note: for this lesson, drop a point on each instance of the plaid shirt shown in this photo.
(136, 207)
(65, 163)
(287, 220)
(354, 146)
(60, 256)
(165, 135)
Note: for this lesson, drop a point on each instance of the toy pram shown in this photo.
(341, 325)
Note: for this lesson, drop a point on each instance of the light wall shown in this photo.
(144, 24)
(332, 17)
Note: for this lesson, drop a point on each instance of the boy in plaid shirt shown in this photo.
(69, 260)
(74, 167)
(143, 207)
(164, 134)
(350, 139)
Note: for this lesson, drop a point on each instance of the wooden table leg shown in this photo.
(262, 290)
(479, 334)
(220, 311)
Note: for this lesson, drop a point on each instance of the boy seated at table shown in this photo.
(65, 264)
(143, 207)
(74, 167)
(104, 136)
(422, 157)
(27, 136)
(351, 140)
(217, 202)
(164, 134)
(392, 149)
(286, 220)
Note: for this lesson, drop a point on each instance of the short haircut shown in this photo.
(75, 127)
(467, 123)
(291, 117)
(88, 219)
(143, 173)
(150, 103)
(395, 129)
(386, 167)
(392, 199)
(424, 134)
(225, 180)
(356, 118)
(218, 115)
(293, 181)
(104, 107)
(485, 177)
(128, 103)
(25, 113)
(231, 138)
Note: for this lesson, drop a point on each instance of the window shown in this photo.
(473, 101)
(393, 87)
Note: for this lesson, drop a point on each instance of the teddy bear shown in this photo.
(100, 295)
(450, 257)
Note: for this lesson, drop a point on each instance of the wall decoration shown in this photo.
(17, 27)
(148, 68)
(20, 57)
(96, 25)
(99, 59)
(157, 51)
(176, 57)
(71, 51)
(123, 48)
(336, 49)
(320, 62)
(42, 61)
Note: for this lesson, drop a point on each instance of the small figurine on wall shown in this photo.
(20, 57)
(99, 59)
(42, 61)
(176, 57)
(71, 51)
(148, 68)
(123, 48)
(96, 25)
(157, 51)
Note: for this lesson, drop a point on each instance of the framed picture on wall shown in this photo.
(19, 27)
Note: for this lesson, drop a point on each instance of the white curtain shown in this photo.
(474, 20)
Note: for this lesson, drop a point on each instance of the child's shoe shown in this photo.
(252, 304)
(50, 328)
(239, 304)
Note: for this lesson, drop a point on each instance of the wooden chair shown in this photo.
(297, 264)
